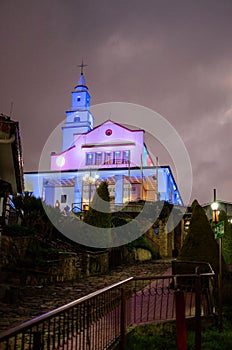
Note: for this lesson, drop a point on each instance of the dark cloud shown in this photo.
(171, 56)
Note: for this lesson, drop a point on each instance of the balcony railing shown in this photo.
(100, 319)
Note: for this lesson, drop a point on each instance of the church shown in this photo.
(108, 152)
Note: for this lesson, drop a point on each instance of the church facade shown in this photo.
(109, 152)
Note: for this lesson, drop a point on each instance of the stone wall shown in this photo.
(95, 263)
(13, 248)
(167, 244)
(67, 266)
(163, 240)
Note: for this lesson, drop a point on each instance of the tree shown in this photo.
(200, 244)
(33, 217)
(101, 200)
(99, 217)
(226, 239)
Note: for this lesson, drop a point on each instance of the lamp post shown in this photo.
(214, 207)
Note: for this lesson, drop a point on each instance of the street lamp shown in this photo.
(214, 207)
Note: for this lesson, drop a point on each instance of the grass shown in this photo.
(211, 338)
(144, 342)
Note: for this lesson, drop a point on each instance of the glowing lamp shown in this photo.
(214, 206)
(215, 212)
(86, 177)
(60, 161)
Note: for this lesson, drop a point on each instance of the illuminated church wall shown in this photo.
(90, 155)
(77, 188)
(108, 145)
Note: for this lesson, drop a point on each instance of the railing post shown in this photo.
(37, 342)
(88, 338)
(181, 332)
(123, 321)
(198, 313)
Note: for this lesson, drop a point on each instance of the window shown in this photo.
(63, 198)
(78, 98)
(98, 158)
(117, 157)
(89, 159)
(76, 119)
(125, 157)
(108, 158)
(108, 132)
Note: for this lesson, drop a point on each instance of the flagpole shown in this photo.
(157, 176)
(141, 167)
(129, 179)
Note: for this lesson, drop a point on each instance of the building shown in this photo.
(11, 162)
(91, 154)
(11, 165)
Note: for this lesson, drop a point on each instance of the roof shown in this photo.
(81, 83)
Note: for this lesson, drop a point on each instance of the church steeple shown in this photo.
(79, 120)
(81, 96)
(81, 82)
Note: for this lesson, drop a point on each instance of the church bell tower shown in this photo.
(79, 119)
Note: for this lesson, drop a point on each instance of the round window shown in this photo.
(108, 132)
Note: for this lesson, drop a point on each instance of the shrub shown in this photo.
(227, 239)
(200, 244)
(101, 198)
(141, 242)
(18, 230)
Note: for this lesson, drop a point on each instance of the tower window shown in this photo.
(76, 119)
(78, 98)
(89, 159)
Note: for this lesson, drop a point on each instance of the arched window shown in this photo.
(76, 119)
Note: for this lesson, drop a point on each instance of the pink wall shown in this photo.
(106, 137)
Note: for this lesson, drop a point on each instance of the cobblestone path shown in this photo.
(32, 301)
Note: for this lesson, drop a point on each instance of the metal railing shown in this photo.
(128, 207)
(100, 319)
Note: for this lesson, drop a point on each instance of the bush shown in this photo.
(227, 239)
(18, 231)
(118, 221)
(101, 198)
(199, 244)
(141, 242)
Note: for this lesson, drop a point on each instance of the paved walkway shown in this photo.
(31, 301)
(154, 301)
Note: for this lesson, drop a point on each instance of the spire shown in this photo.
(79, 119)
(81, 82)
(82, 65)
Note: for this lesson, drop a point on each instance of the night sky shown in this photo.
(172, 56)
